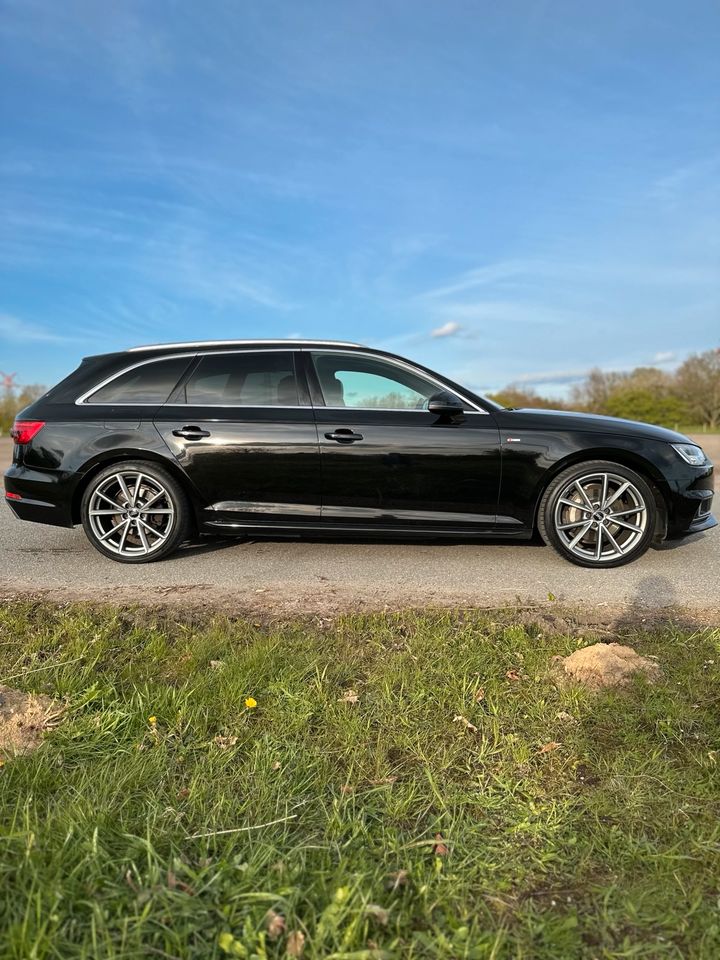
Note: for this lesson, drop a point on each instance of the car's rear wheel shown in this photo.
(598, 514)
(135, 512)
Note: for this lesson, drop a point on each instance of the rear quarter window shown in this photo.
(150, 383)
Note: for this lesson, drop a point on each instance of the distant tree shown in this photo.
(632, 402)
(593, 393)
(698, 383)
(12, 402)
(515, 396)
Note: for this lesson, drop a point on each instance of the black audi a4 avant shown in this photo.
(149, 447)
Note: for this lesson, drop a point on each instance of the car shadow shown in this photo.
(655, 604)
(199, 546)
(209, 543)
(666, 545)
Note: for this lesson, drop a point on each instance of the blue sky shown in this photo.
(507, 192)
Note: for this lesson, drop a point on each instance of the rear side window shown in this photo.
(244, 380)
(149, 383)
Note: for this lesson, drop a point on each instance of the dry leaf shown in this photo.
(439, 848)
(346, 788)
(350, 696)
(217, 664)
(295, 944)
(275, 923)
(171, 880)
(468, 726)
(480, 695)
(225, 742)
(383, 781)
(513, 675)
(565, 717)
(547, 747)
(378, 913)
(277, 765)
(398, 879)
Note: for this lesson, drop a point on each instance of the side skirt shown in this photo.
(372, 531)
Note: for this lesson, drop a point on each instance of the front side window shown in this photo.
(353, 380)
(251, 379)
(150, 383)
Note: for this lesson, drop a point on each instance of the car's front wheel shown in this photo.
(598, 514)
(135, 512)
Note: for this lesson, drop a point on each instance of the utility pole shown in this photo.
(8, 381)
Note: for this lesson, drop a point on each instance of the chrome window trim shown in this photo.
(403, 364)
(83, 399)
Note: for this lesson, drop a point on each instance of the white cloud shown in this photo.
(448, 329)
(16, 330)
(664, 356)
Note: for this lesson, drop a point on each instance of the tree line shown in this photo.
(688, 396)
(13, 400)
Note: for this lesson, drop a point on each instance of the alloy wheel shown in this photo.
(131, 514)
(600, 516)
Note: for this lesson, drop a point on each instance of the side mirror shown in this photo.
(445, 405)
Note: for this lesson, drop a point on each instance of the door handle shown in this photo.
(344, 435)
(191, 433)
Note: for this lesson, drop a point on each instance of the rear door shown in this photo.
(386, 460)
(241, 426)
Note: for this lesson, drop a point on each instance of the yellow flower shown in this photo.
(152, 721)
(251, 703)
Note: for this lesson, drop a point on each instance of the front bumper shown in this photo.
(689, 500)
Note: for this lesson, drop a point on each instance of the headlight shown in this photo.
(691, 454)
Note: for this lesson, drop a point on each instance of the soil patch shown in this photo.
(24, 717)
(607, 665)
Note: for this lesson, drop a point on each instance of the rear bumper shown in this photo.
(45, 496)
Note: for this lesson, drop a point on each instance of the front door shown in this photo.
(388, 461)
(241, 427)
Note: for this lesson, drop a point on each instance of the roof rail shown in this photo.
(223, 343)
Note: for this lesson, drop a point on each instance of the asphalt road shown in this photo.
(323, 577)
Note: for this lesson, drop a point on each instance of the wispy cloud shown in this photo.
(686, 176)
(15, 330)
(565, 377)
(528, 273)
(479, 277)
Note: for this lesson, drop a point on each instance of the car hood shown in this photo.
(587, 422)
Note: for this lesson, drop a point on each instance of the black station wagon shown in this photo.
(150, 447)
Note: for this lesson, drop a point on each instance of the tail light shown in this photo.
(24, 430)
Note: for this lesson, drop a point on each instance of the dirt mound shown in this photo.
(607, 665)
(23, 719)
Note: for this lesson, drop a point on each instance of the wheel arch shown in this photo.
(626, 458)
(124, 456)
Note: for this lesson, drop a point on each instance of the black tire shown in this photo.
(150, 535)
(576, 509)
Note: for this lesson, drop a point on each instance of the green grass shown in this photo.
(607, 846)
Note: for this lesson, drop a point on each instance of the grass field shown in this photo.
(165, 818)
